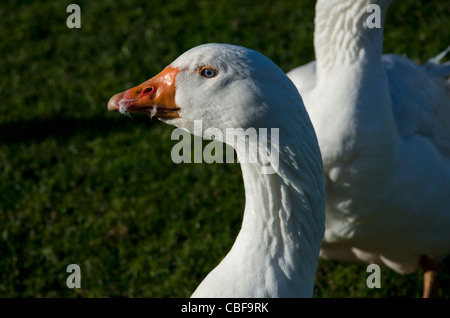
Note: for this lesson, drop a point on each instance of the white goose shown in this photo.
(277, 249)
(383, 126)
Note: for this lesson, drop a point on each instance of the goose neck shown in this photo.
(348, 32)
(282, 225)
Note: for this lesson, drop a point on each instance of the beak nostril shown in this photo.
(148, 90)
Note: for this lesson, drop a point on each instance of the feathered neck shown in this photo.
(276, 251)
(350, 105)
(342, 34)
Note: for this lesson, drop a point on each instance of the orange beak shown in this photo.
(154, 97)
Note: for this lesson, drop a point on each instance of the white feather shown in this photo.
(383, 125)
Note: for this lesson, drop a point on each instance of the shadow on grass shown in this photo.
(35, 130)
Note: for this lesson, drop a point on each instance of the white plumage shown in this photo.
(383, 125)
(277, 249)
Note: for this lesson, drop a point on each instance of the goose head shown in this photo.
(223, 85)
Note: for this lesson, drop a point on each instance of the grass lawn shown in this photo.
(81, 185)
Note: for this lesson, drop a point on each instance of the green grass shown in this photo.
(81, 185)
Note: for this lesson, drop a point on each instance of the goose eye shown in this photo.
(207, 72)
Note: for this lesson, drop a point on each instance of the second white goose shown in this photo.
(383, 125)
